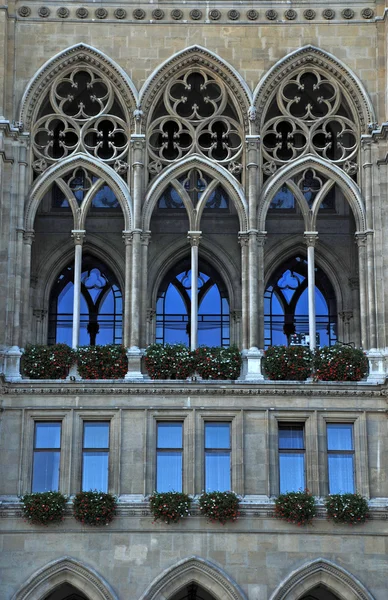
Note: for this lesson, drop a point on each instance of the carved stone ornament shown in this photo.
(44, 12)
(252, 14)
(139, 14)
(271, 15)
(233, 15)
(63, 12)
(101, 13)
(235, 168)
(24, 11)
(195, 14)
(82, 12)
(121, 167)
(158, 14)
(177, 14)
(120, 13)
(290, 14)
(309, 14)
(214, 14)
(367, 13)
(269, 168)
(350, 167)
(328, 14)
(252, 113)
(39, 165)
(155, 167)
(347, 13)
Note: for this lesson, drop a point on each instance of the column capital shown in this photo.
(243, 238)
(194, 237)
(361, 238)
(28, 237)
(78, 236)
(127, 237)
(345, 315)
(310, 238)
(145, 238)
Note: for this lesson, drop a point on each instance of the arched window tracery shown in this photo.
(195, 114)
(194, 184)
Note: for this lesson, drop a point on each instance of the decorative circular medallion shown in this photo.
(271, 15)
(309, 14)
(101, 13)
(24, 11)
(158, 14)
(44, 12)
(82, 12)
(176, 14)
(252, 14)
(214, 14)
(328, 14)
(63, 12)
(347, 13)
(139, 14)
(196, 14)
(290, 14)
(233, 15)
(367, 13)
(120, 13)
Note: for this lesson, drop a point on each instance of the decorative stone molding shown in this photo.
(177, 14)
(367, 13)
(139, 14)
(328, 14)
(271, 15)
(44, 12)
(252, 14)
(120, 13)
(309, 14)
(233, 15)
(101, 13)
(347, 13)
(195, 14)
(158, 14)
(65, 570)
(214, 14)
(24, 11)
(290, 14)
(63, 12)
(82, 12)
(310, 238)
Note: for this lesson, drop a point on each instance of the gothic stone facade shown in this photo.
(244, 142)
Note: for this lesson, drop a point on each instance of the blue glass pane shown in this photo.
(108, 304)
(169, 472)
(283, 199)
(174, 303)
(211, 302)
(105, 198)
(95, 471)
(169, 435)
(341, 479)
(217, 435)
(45, 472)
(340, 436)
(291, 467)
(291, 437)
(217, 472)
(96, 434)
(47, 435)
(65, 299)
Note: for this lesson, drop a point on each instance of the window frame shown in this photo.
(302, 451)
(215, 451)
(45, 449)
(98, 450)
(342, 453)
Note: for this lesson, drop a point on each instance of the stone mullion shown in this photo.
(355, 330)
(78, 236)
(261, 239)
(367, 166)
(134, 340)
(361, 244)
(28, 238)
(243, 241)
(127, 237)
(145, 240)
(17, 304)
(194, 238)
(310, 239)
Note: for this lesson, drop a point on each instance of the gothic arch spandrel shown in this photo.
(66, 60)
(312, 57)
(65, 570)
(194, 570)
(324, 572)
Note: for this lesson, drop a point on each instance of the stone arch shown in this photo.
(350, 190)
(198, 570)
(321, 571)
(65, 570)
(43, 183)
(201, 57)
(327, 62)
(67, 59)
(216, 171)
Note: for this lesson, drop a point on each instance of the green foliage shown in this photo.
(171, 361)
(43, 508)
(340, 363)
(217, 362)
(296, 507)
(102, 362)
(94, 508)
(47, 362)
(347, 508)
(219, 506)
(288, 362)
(170, 507)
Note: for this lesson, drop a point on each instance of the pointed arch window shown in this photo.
(101, 305)
(193, 185)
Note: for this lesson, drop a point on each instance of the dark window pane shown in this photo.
(47, 435)
(291, 437)
(45, 471)
(217, 435)
(95, 471)
(291, 467)
(169, 472)
(96, 435)
(340, 436)
(341, 479)
(169, 435)
(217, 469)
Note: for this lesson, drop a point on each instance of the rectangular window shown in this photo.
(340, 458)
(217, 457)
(95, 456)
(169, 456)
(47, 453)
(291, 458)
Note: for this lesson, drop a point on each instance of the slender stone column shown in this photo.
(253, 288)
(194, 237)
(28, 238)
(355, 335)
(150, 334)
(40, 316)
(261, 239)
(145, 240)
(18, 300)
(127, 238)
(243, 241)
(361, 244)
(311, 238)
(134, 340)
(346, 316)
(371, 291)
(78, 236)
